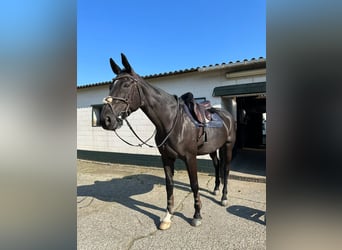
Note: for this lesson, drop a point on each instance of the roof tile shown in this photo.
(230, 64)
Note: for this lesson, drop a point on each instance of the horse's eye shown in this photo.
(125, 85)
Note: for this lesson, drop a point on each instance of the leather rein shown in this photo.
(124, 114)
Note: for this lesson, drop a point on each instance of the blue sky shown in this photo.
(162, 36)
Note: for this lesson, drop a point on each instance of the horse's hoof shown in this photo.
(216, 192)
(164, 225)
(196, 222)
(224, 203)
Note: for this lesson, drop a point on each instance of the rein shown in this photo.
(145, 142)
(127, 112)
(135, 145)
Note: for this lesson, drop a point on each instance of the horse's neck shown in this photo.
(159, 106)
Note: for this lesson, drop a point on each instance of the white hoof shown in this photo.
(164, 225)
(224, 203)
(216, 192)
(196, 222)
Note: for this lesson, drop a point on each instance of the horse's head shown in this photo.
(124, 96)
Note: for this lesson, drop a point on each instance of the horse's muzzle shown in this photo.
(108, 120)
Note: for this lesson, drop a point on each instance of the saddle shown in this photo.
(200, 111)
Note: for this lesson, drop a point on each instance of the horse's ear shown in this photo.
(126, 64)
(116, 69)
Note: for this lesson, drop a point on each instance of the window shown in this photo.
(200, 99)
(95, 115)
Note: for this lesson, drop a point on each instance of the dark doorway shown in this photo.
(250, 146)
(251, 122)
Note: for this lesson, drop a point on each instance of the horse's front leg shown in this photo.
(191, 165)
(169, 171)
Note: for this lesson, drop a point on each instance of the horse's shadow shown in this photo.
(123, 189)
(248, 213)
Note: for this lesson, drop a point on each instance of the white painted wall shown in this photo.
(201, 84)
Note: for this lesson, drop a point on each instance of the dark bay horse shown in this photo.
(176, 134)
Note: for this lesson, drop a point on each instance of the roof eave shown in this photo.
(230, 67)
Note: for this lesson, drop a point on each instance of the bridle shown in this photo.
(124, 114)
(109, 100)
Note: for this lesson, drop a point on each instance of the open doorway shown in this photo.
(251, 122)
(250, 146)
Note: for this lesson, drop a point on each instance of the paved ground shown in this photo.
(119, 207)
(250, 161)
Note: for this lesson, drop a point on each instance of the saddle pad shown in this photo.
(216, 121)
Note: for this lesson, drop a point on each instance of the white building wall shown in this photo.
(201, 84)
(98, 139)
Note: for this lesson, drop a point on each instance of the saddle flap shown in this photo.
(200, 111)
(205, 106)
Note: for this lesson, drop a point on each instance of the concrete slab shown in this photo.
(119, 207)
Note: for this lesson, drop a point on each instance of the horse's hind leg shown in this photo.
(191, 165)
(169, 172)
(225, 159)
(215, 160)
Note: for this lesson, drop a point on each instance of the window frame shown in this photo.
(95, 115)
